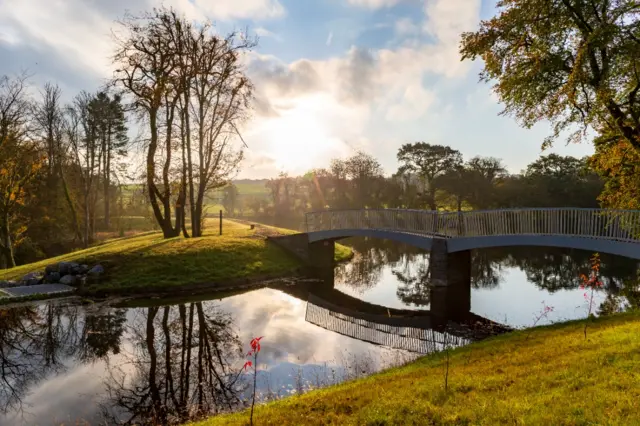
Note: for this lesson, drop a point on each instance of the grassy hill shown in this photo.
(148, 262)
(555, 377)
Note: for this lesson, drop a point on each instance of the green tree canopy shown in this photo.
(567, 61)
(429, 162)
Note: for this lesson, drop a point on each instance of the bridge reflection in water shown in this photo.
(414, 334)
(449, 322)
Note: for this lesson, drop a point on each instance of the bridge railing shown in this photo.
(621, 225)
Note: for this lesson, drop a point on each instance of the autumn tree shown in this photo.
(20, 161)
(618, 163)
(572, 62)
(428, 162)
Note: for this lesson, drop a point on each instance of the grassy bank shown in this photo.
(148, 261)
(554, 377)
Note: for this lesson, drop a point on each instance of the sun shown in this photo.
(300, 138)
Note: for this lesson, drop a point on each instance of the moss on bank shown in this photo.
(554, 377)
(148, 261)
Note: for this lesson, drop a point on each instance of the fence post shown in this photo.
(220, 222)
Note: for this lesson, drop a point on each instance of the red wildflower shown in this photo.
(255, 343)
(247, 365)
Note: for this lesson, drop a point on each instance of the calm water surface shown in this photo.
(62, 362)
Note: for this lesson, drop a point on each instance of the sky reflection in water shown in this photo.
(64, 362)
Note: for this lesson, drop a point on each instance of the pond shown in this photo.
(65, 362)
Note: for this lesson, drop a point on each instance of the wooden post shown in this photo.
(220, 222)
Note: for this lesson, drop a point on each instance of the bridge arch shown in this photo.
(619, 248)
(416, 240)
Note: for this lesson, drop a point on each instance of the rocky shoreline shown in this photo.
(66, 273)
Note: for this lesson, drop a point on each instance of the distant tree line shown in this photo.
(432, 177)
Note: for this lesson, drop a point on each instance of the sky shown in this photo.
(332, 76)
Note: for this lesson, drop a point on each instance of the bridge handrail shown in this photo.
(471, 211)
(621, 225)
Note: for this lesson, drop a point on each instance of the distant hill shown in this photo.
(251, 186)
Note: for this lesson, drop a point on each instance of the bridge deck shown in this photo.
(611, 231)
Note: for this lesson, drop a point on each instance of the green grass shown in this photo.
(553, 378)
(150, 261)
(252, 188)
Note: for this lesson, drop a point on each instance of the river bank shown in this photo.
(545, 375)
(148, 264)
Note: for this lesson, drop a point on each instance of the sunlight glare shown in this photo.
(301, 137)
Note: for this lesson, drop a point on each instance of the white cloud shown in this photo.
(374, 4)
(366, 86)
(413, 104)
(447, 19)
(406, 26)
(263, 32)
(84, 41)
(243, 9)
(312, 108)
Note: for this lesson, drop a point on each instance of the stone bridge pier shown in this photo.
(450, 282)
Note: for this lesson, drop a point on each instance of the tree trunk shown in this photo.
(169, 230)
(182, 198)
(6, 245)
(192, 198)
(87, 219)
(198, 210)
(431, 200)
(154, 391)
(107, 178)
(164, 222)
(72, 208)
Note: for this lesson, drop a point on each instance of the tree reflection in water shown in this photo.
(102, 333)
(180, 362)
(34, 342)
(549, 268)
(180, 367)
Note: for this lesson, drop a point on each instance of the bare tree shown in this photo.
(220, 98)
(49, 120)
(14, 107)
(180, 75)
(146, 57)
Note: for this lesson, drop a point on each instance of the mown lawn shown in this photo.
(150, 261)
(553, 378)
